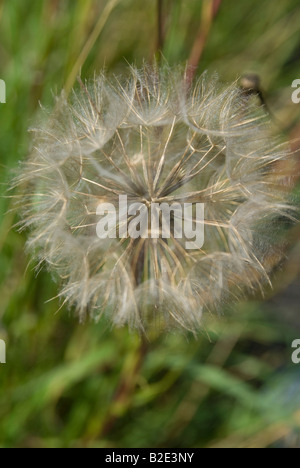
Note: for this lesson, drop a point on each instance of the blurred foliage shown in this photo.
(67, 384)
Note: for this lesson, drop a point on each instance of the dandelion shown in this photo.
(150, 139)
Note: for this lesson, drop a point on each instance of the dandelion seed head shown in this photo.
(151, 139)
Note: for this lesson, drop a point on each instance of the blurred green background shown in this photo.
(67, 384)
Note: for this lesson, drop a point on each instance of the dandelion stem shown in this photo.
(125, 390)
(209, 12)
(160, 26)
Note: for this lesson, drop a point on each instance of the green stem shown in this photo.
(90, 43)
(122, 398)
